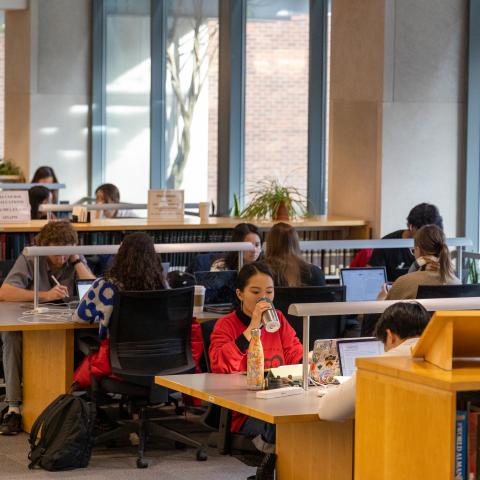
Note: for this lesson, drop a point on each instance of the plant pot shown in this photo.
(281, 213)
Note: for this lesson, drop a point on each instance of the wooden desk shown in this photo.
(47, 357)
(307, 448)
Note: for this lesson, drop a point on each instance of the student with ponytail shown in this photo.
(433, 257)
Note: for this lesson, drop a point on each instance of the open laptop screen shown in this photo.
(363, 284)
(83, 286)
(351, 349)
(219, 286)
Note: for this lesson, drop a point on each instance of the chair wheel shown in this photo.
(201, 455)
(142, 463)
(179, 445)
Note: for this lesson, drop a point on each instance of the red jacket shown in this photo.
(279, 348)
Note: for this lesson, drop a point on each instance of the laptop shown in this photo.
(363, 284)
(82, 287)
(349, 349)
(219, 287)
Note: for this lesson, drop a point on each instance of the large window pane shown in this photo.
(192, 98)
(2, 82)
(276, 115)
(127, 71)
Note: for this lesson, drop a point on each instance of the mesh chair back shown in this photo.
(448, 291)
(207, 329)
(320, 327)
(150, 332)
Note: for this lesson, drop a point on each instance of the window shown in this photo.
(2, 83)
(127, 98)
(276, 104)
(192, 98)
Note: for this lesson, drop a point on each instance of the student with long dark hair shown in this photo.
(284, 257)
(38, 196)
(136, 267)
(433, 257)
(243, 232)
(229, 344)
(46, 175)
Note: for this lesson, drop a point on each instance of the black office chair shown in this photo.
(150, 334)
(220, 418)
(448, 291)
(5, 267)
(320, 327)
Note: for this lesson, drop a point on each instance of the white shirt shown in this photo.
(338, 403)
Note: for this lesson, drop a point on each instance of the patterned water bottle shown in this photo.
(255, 362)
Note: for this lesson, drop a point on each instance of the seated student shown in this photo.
(38, 196)
(46, 175)
(229, 344)
(135, 267)
(433, 257)
(396, 260)
(18, 287)
(284, 257)
(243, 232)
(109, 193)
(399, 328)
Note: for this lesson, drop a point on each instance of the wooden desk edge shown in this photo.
(45, 326)
(222, 402)
(378, 366)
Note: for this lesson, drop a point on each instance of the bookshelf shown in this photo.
(14, 237)
(405, 417)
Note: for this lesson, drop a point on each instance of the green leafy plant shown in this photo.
(7, 167)
(236, 210)
(472, 272)
(271, 199)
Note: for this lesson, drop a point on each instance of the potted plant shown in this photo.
(271, 199)
(9, 172)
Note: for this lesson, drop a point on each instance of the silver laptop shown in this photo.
(349, 349)
(363, 284)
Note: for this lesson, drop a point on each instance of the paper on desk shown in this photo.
(285, 370)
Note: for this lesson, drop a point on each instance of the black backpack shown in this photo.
(66, 440)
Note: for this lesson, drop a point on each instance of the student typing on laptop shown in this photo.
(399, 328)
(18, 287)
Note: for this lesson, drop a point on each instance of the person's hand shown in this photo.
(72, 258)
(256, 319)
(257, 313)
(56, 293)
(383, 292)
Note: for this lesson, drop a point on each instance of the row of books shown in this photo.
(467, 439)
(330, 261)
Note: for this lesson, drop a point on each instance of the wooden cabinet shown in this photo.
(405, 417)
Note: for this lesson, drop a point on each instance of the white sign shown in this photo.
(14, 206)
(165, 205)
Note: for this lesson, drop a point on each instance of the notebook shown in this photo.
(219, 286)
(363, 284)
(349, 349)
